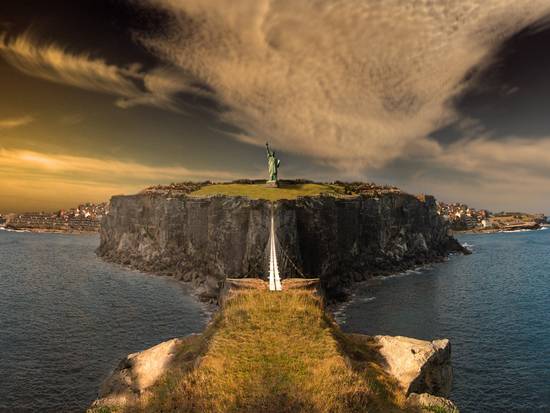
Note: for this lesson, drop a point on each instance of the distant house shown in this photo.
(469, 222)
(487, 223)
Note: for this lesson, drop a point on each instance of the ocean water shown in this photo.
(67, 318)
(494, 306)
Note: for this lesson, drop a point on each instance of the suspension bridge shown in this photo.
(274, 278)
(287, 264)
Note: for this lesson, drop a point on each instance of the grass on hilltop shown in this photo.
(275, 352)
(260, 191)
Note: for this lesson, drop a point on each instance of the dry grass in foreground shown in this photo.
(275, 352)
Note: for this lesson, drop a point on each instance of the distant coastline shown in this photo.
(518, 228)
(49, 231)
(85, 218)
(465, 220)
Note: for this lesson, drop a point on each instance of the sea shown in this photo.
(67, 318)
(493, 305)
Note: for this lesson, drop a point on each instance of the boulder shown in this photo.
(209, 289)
(431, 403)
(419, 366)
(136, 373)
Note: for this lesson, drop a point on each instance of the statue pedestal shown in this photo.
(272, 184)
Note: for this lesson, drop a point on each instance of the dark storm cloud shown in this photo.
(510, 97)
(132, 84)
(516, 100)
(102, 28)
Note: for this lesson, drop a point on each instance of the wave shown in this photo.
(417, 270)
(339, 310)
(13, 230)
(468, 246)
(521, 230)
(340, 315)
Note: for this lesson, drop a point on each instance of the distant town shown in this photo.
(463, 218)
(84, 218)
(87, 217)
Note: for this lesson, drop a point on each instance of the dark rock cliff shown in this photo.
(339, 240)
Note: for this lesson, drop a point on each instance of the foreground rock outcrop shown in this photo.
(136, 373)
(429, 402)
(338, 239)
(420, 366)
(279, 351)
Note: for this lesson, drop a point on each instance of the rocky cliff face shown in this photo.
(339, 240)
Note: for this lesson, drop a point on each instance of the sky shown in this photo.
(105, 97)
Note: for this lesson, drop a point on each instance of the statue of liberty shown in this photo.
(273, 165)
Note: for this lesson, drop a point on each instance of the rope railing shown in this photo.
(274, 246)
(290, 259)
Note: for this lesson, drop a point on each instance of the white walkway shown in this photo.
(274, 279)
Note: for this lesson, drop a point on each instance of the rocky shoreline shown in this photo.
(518, 228)
(218, 244)
(51, 231)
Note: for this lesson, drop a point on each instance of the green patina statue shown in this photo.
(273, 165)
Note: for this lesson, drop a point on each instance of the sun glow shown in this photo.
(42, 160)
(39, 180)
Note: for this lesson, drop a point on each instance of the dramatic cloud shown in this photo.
(352, 83)
(527, 160)
(44, 181)
(509, 174)
(15, 122)
(98, 170)
(132, 85)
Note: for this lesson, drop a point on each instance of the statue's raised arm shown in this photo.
(269, 153)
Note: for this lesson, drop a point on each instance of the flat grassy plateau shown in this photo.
(275, 352)
(260, 191)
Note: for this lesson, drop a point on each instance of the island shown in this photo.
(277, 351)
